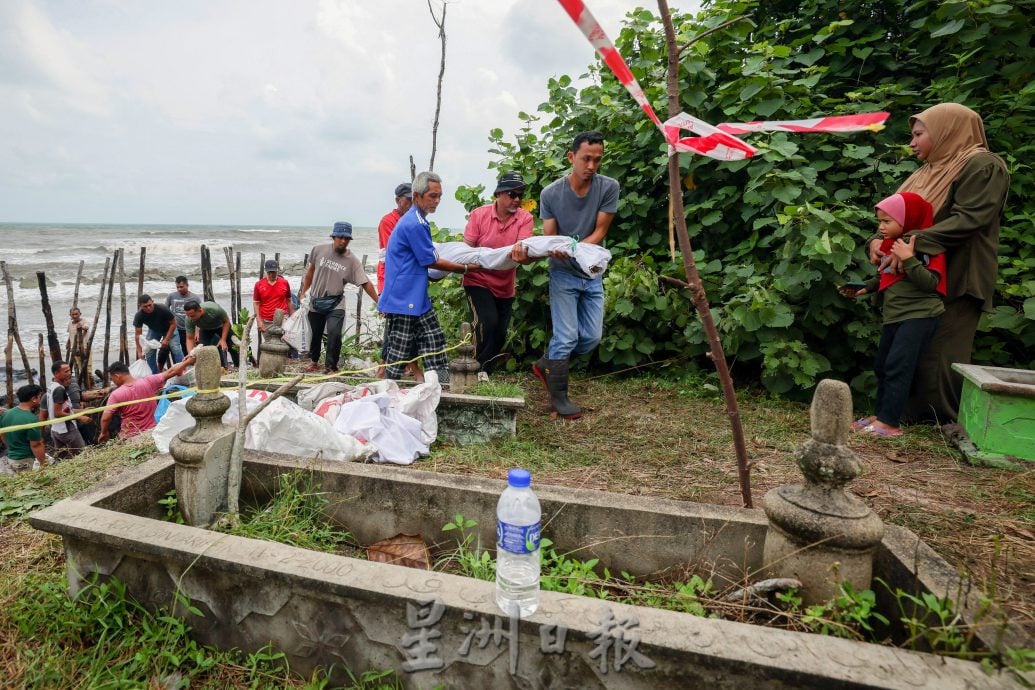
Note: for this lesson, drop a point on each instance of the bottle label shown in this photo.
(520, 539)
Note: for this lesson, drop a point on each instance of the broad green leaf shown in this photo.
(948, 28)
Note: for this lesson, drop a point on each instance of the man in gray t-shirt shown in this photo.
(175, 301)
(581, 204)
(331, 267)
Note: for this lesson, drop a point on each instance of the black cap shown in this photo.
(509, 182)
(405, 189)
(271, 265)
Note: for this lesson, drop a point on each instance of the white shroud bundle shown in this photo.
(592, 258)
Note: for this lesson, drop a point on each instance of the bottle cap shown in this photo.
(519, 478)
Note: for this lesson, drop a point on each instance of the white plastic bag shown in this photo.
(147, 345)
(296, 330)
(139, 369)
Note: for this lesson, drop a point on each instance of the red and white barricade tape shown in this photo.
(710, 140)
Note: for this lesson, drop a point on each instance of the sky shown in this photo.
(262, 112)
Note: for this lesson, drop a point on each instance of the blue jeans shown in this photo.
(153, 360)
(577, 311)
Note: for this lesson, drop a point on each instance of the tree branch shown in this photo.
(709, 32)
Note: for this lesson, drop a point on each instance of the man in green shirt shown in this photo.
(24, 445)
(206, 323)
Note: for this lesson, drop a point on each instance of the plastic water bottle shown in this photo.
(517, 546)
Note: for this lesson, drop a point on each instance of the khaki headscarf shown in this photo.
(957, 134)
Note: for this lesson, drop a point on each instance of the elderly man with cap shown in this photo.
(330, 268)
(411, 323)
(403, 202)
(503, 223)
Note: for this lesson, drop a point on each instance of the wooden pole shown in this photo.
(693, 278)
(359, 305)
(48, 317)
(234, 297)
(9, 369)
(75, 305)
(206, 275)
(237, 274)
(140, 274)
(123, 333)
(86, 380)
(12, 321)
(78, 280)
(107, 314)
(43, 361)
(262, 264)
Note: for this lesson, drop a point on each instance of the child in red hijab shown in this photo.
(911, 304)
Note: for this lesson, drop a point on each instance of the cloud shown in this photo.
(261, 111)
(48, 61)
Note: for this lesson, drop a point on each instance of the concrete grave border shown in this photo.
(323, 609)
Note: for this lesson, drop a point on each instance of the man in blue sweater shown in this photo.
(411, 323)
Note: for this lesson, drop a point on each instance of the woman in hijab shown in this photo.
(966, 185)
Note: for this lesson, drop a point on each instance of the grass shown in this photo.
(651, 436)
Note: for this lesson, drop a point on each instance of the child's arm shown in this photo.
(916, 272)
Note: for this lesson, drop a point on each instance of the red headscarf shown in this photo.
(912, 212)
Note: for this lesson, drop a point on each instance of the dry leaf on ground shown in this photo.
(403, 549)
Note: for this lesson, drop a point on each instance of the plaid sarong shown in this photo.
(407, 336)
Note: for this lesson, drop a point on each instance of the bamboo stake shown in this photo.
(107, 314)
(693, 278)
(123, 333)
(86, 382)
(233, 493)
(12, 321)
(9, 369)
(48, 317)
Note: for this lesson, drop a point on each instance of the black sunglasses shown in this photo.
(514, 194)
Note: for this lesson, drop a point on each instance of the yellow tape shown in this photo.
(180, 394)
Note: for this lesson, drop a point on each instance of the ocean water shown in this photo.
(171, 250)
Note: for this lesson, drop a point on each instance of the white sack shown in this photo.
(310, 397)
(296, 330)
(376, 420)
(498, 259)
(592, 258)
(283, 427)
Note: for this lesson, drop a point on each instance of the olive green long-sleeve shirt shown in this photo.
(914, 297)
(967, 227)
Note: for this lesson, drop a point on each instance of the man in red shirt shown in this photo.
(139, 415)
(503, 223)
(270, 294)
(403, 202)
